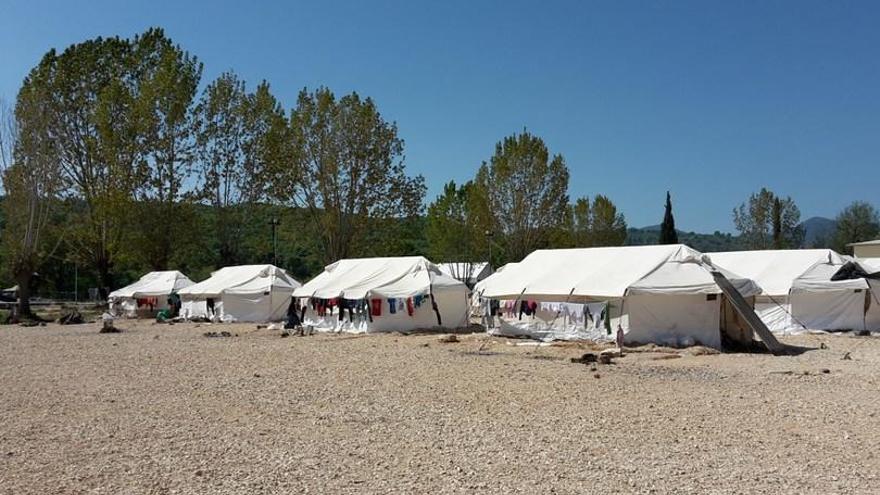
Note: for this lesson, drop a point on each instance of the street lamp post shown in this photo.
(274, 222)
(489, 235)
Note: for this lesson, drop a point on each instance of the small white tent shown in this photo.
(871, 266)
(152, 290)
(251, 293)
(383, 295)
(797, 291)
(663, 294)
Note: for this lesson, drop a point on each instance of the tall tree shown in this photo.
(348, 170)
(87, 95)
(581, 221)
(668, 234)
(767, 221)
(456, 230)
(857, 222)
(165, 81)
(31, 179)
(237, 132)
(526, 193)
(608, 225)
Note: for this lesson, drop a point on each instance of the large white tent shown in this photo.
(252, 293)
(384, 294)
(151, 290)
(663, 294)
(797, 291)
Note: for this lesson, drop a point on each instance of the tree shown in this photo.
(608, 225)
(668, 234)
(525, 193)
(165, 79)
(31, 180)
(234, 144)
(86, 100)
(857, 222)
(348, 170)
(456, 231)
(767, 221)
(581, 223)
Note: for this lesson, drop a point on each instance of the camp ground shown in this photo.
(148, 295)
(252, 293)
(381, 295)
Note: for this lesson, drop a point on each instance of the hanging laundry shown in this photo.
(392, 306)
(418, 301)
(409, 306)
(377, 307)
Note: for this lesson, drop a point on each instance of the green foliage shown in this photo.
(767, 221)
(455, 229)
(668, 234)
(347, 171)
(708, 243)
(526, 194)
(857, 222)
(234, 144)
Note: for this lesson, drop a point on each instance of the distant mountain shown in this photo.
(818, 231)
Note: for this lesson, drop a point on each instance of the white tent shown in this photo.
(871, 266)
(797, 291)
(384, 294)
(152, 290)
(663, 294)
(469, 273)
(241, 293)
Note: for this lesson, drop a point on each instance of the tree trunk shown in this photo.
(24, 278)
(105, 279)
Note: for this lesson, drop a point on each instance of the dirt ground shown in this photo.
(164, 409)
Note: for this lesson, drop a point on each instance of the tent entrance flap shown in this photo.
(742, 307)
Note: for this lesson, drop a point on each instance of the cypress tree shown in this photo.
(668, 235)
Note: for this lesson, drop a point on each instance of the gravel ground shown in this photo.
(163, 409)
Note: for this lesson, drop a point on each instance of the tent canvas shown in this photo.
(398, 279)
(252, 293)
(797, 291)
(158, 285)
(660, 294)
(871, 266)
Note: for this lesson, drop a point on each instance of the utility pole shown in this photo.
(489, 235)
(274, 222)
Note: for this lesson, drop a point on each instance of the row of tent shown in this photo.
(663, 294)
(667, 294)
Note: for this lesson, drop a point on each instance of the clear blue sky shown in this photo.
(712, 100)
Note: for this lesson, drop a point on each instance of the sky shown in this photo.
(710, 100)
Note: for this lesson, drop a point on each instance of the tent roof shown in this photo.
(243, 279)
(358, 278)
(865, 243)
(870, 265)
(608, 272)
(154, 284)
(778, 271)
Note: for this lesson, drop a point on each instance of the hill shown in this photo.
(818, 233)
(717, 241)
